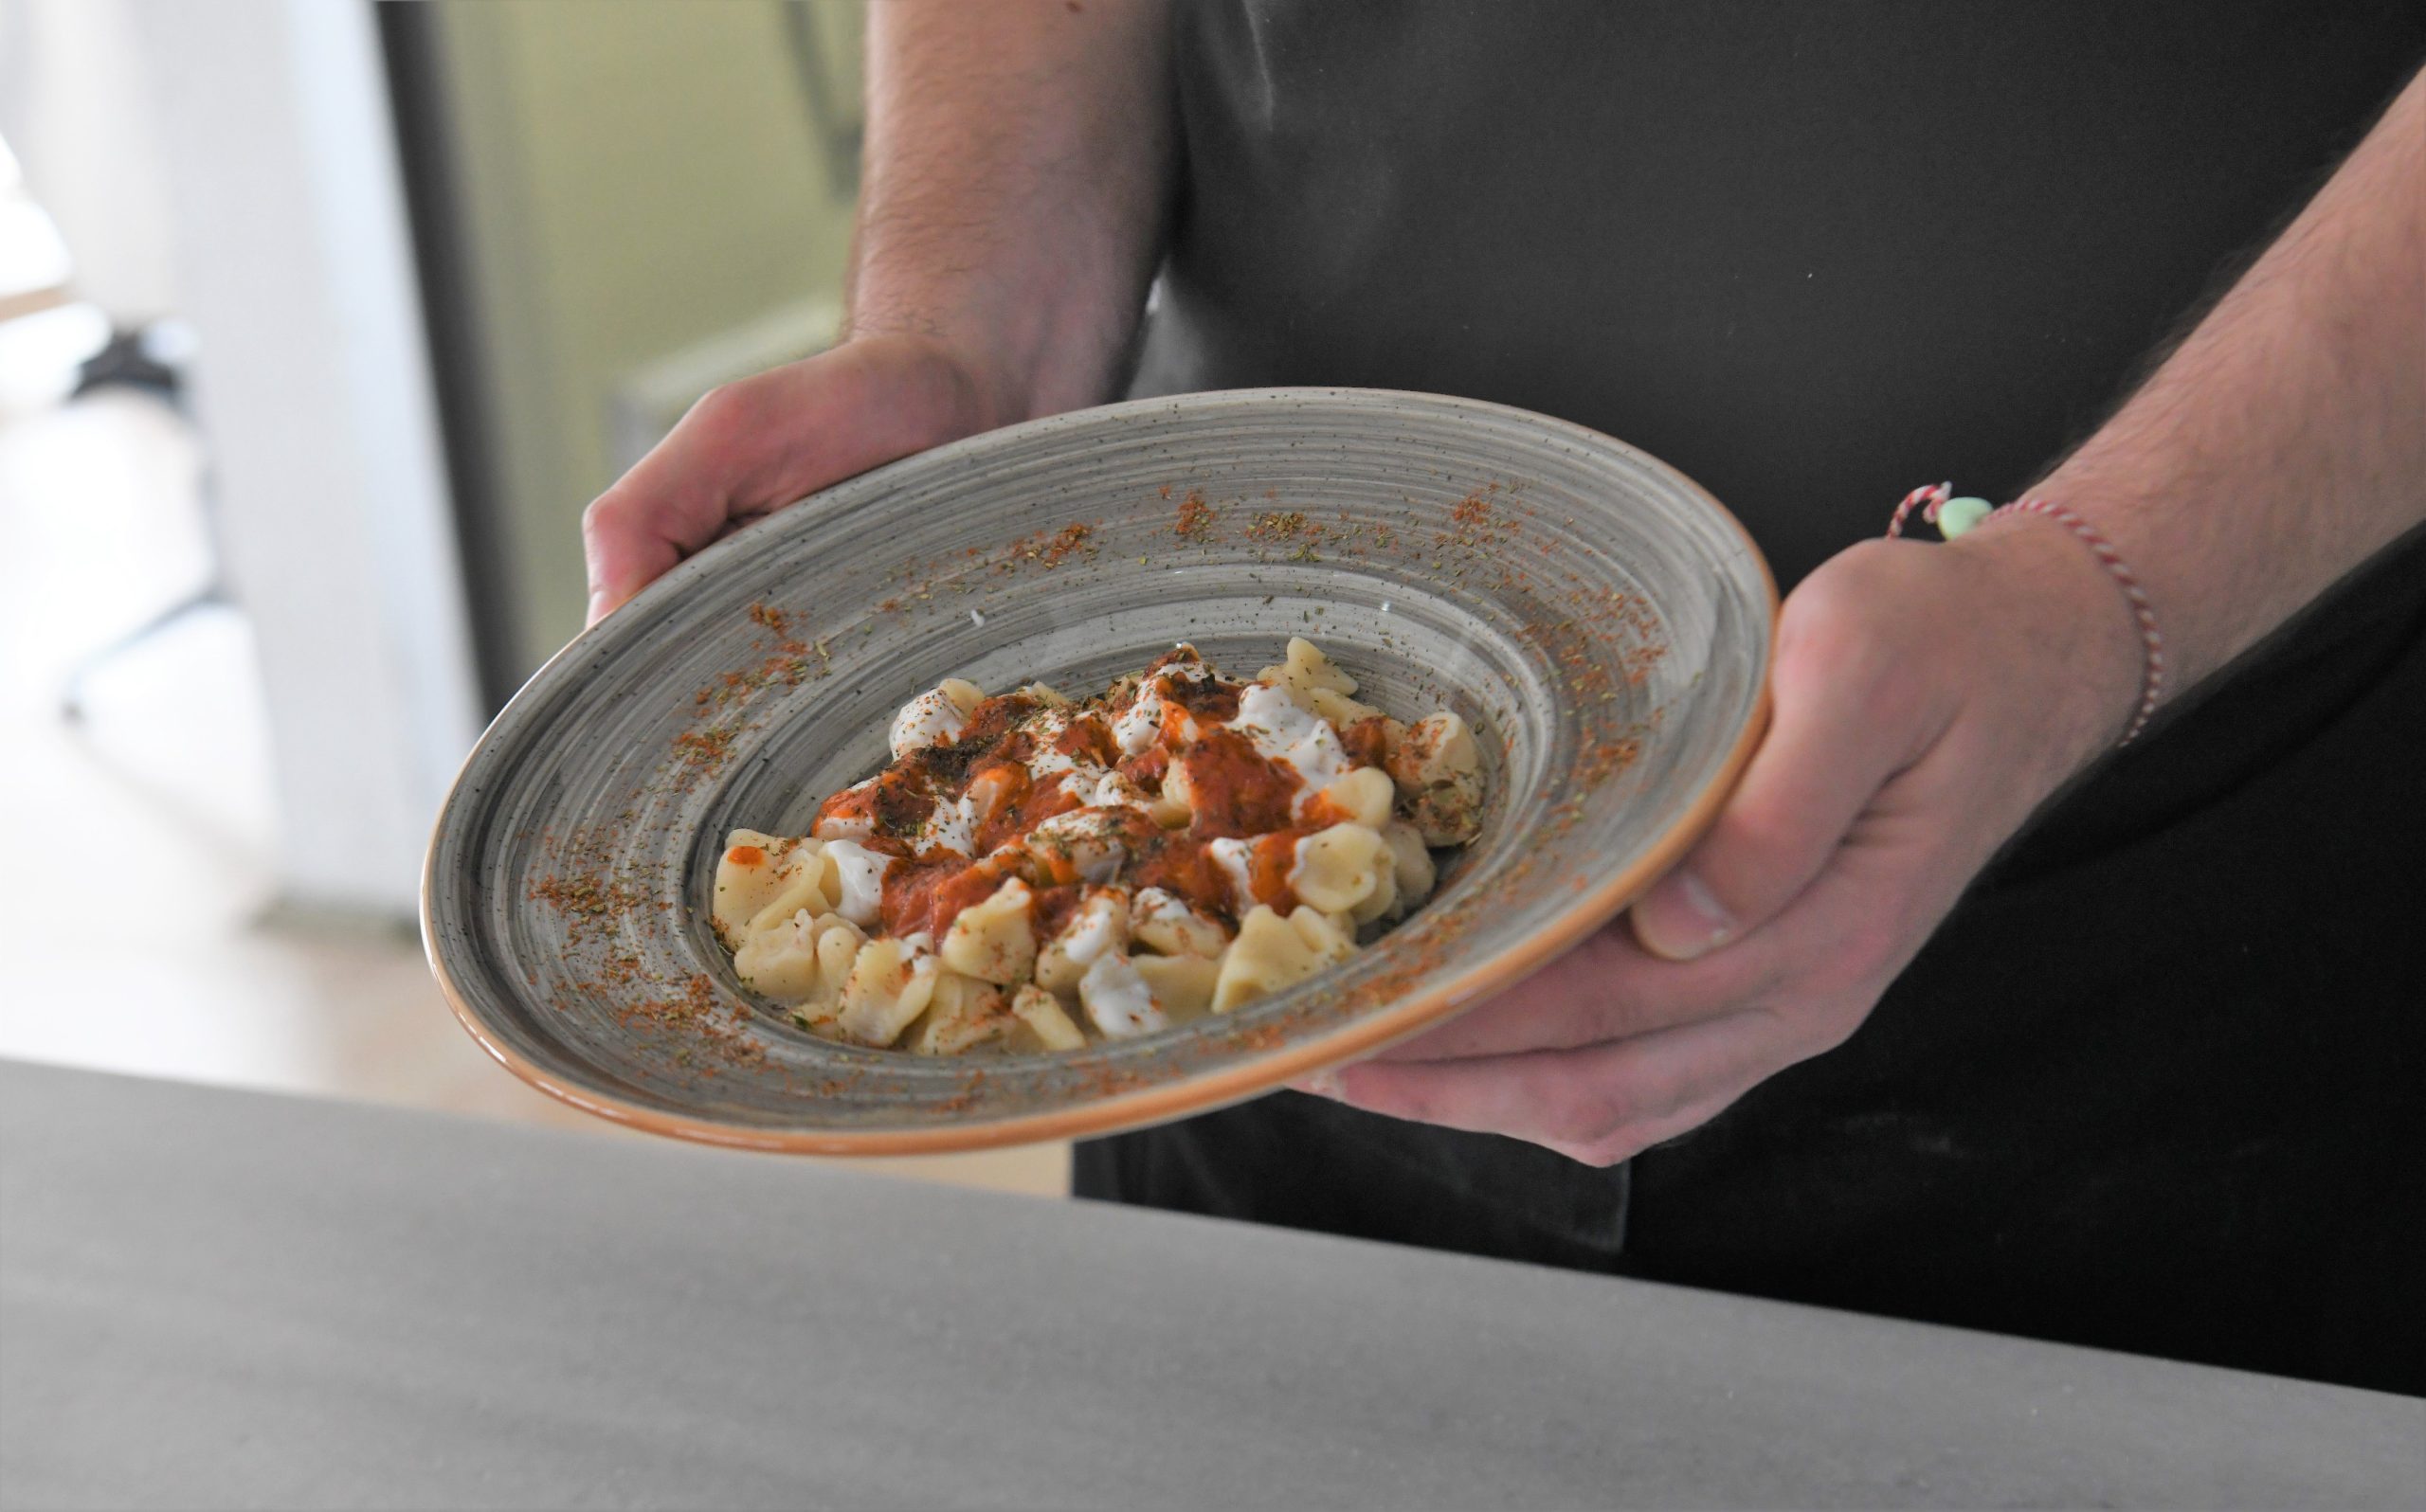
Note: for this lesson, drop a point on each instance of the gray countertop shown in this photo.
(216, 1298)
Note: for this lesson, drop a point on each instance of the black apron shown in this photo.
(2156, 1085)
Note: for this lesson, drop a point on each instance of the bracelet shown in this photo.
(1956, 517)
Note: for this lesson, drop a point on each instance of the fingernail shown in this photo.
(1681, 918)
(597, 606)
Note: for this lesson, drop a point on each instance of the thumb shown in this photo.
(1846, 718)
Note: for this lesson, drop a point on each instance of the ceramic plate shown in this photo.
(1600, 620)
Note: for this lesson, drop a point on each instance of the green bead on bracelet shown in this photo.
(1958, 515)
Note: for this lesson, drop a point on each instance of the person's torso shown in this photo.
(2152, 1084)
(1811, 254)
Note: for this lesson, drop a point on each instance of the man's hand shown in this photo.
(1014, 197)
(1928, 698)
(753, 447)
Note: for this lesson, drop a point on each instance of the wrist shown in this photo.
(940, 389)
(2082, 677)
(1028, 343)
(1015, 365)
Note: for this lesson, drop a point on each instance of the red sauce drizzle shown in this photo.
(1087, 739)
(1235, 791)
(1148, 767)
(852, 804)
(903, 801)
(1268, 859)
(1323, 810)
(1208, 701)
(1033, 806)
(1180, 655)
(928, 893)
(1238, 793)
(1366, 742)
(910, 892)
(1185, 868)
(994, 717)
(1049, 907)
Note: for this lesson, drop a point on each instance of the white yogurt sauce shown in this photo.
(1233, 858)
(1140, 723)
(1117, 998)
(1091, 932)
(953, 826)
(1044, 727)
(1284, 733)
(1152, 904)
(925, 720)
(862, 874)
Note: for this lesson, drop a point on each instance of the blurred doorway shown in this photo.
(616, 207)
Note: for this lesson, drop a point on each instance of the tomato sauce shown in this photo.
(1186, 869)
(910, 892)
(850, 805)
(995, 717)
(1179, 656)
(1270, 859)
(1148, 767)
(1323, 810)
(1234, 791)
(1087, 739)
(903, 801)
(1050, 907)
(928, 894)
(1035, 804)
(1367, 741)
(1207, 701)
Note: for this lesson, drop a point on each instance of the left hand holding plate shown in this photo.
(1928, 698)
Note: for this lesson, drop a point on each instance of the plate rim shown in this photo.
(1206, 1091)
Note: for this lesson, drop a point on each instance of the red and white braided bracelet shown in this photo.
(1955, 516)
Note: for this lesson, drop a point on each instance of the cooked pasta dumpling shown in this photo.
(995, 941)
(1031, 873)
(802, 962)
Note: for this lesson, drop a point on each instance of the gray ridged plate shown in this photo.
(1601, 621)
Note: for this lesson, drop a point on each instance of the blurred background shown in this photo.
(320, 321)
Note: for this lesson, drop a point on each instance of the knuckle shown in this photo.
(726, 413)
(1834, 617)
(1831, 644)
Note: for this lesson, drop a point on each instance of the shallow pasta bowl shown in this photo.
(1601, 622)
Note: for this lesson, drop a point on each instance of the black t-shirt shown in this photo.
(2156, 1085)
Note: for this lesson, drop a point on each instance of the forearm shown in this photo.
(2282, 444)
(1018, 169)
